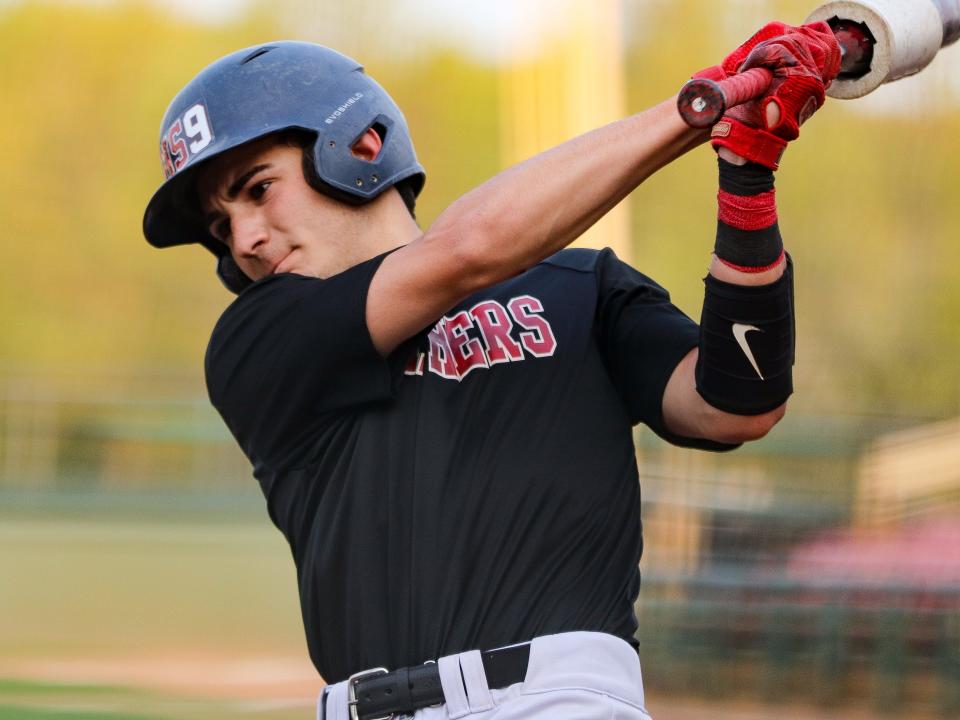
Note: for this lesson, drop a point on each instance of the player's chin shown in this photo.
(292, 262)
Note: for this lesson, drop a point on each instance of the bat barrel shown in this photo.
(906, 35)
(950, 14)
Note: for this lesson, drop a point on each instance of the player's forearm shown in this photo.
(743, 370)
(535, 208)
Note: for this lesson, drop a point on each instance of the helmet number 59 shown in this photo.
(195, 125)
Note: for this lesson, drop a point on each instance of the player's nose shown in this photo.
(249, 232)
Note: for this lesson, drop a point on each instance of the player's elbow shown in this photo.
(736, 429)
(759, 425)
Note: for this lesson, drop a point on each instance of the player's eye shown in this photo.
(258, 190)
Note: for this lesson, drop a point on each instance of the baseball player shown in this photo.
(441, 420)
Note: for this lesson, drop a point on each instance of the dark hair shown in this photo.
(305, 139)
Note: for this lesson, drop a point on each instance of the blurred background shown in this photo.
(814, 574)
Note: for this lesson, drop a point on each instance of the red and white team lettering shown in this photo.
(538, 338)
(175, 150)
(495, 325)
(484, 336)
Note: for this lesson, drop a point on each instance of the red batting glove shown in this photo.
(804, 61)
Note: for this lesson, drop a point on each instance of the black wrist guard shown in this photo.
(747, 345)
(748, 235)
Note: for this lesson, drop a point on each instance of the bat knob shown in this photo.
(701, 103)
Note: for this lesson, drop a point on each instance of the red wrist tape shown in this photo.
(747, 212)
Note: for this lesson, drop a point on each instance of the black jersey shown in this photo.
(476, 488)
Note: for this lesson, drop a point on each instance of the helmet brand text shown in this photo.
(343, 108)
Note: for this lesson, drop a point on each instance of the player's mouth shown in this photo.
(280, 267)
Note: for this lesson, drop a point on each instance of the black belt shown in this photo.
(379, 694)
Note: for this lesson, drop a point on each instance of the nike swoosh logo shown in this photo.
(740, 335)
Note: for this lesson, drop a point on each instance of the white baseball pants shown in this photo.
(570, 676)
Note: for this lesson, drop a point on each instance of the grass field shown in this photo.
(149, 617)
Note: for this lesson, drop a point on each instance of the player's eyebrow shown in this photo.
(235, 187)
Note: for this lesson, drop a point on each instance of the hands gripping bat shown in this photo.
(881, 41)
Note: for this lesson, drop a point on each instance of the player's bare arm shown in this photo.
(519, 217)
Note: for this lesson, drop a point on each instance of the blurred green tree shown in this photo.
(866, 196)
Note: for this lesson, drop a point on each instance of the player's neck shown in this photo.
(387, 224)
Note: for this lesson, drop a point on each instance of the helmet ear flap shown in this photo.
(231, 275)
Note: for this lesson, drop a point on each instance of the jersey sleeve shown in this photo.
(289, 351)
(643, 337)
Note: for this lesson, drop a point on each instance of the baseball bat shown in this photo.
(880, 41)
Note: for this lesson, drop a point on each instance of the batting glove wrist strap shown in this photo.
(747, 141)
(745, 364)
(748, 234)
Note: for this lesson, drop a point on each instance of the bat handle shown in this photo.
(703, 102)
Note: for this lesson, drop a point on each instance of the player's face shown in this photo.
(257, 202)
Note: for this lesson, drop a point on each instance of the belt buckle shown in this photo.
(352, 691)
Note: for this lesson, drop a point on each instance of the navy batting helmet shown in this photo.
(267, 89)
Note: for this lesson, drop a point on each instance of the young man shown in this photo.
(441, 421)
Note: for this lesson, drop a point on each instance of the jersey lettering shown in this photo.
(414, 364)
(441, 357)
(495, 326)
(467, 353)
(538, 340)
(483, 336)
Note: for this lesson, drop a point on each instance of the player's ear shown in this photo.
(368, 146)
